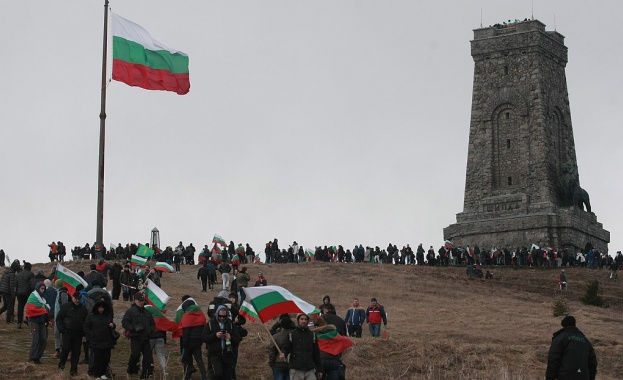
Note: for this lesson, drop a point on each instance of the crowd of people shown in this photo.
(83, 323)
(83, 318)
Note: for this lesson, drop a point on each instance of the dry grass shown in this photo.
(441, 325)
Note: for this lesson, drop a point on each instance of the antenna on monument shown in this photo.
(481, 17)
(532, 9)
(555, 22)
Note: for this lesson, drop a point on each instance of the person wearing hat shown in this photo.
(571, 355)
(140, 324)
(302, 349)
(70, 322)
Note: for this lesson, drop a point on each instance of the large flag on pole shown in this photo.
(70, 279)
(139, 60)
(270, 301)
(155, 296)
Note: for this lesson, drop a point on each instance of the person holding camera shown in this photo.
(139, 323)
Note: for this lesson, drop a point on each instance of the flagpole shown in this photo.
(99, 237)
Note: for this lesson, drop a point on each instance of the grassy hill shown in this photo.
(441, 325)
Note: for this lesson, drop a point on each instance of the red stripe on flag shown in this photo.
(151, 79)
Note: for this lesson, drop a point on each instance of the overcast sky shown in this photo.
(324, 122)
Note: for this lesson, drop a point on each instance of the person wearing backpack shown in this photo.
(302, 349)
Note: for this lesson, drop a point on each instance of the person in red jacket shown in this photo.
(375, 314)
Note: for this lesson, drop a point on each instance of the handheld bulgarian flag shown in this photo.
(141, 61)
(162, 323)
(192, 316)
(248, 311)
(270, 301)
(155, 296)
(310, 253)
(163, 267)
(533, 247)
(70, 279)
(447, 244)
(217, 239)
(138, 261)
(240, 250)
(333, 343)
(235, 260)
(144, 251)
(35, 305)
(256, 259)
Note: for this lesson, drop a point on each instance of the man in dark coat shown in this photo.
(7, 290)
(140, 325)
(24, 285)
(328, 314)
(571, 356)
(302, 347)
(115, 275)
(70, 322)
(219, 334)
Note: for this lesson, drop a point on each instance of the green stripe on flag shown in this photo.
(132, 52)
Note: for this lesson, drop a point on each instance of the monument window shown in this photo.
(510, 181)
(505, 70)
(508, 143)
(508, 115)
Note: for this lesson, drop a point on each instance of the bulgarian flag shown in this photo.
(192, 316)
(248, 311)
(35, 305)
(235, 260)
(155, 296)
(309, 253)
(256, 259)
(447, 244)
(162, 322)
(217, 249)
(138, 261)
(217, 239)
(203, 256)
(70, 279)
(270, 301)
(144, 251)
(139, 60)
(533, 247)
(240, 250)
(163, 267)
(333, 343)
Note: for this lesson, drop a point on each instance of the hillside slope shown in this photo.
(441, 324)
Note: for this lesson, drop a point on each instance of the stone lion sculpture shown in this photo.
(571, 194)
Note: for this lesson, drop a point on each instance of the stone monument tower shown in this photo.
(522, 184)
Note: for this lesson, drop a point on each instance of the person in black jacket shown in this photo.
(302, 349)
(571, 356)
(140, 324)
(98, 328)
(219, 334)
(70, 321)
(24, 286)
(7, 290)
(327, 311)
